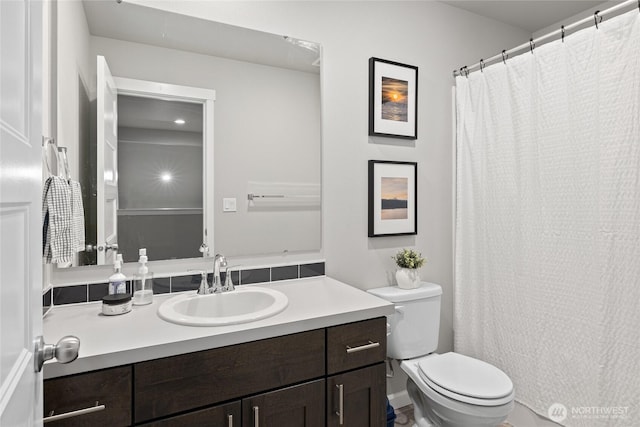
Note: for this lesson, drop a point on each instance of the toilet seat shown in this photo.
(466, 379)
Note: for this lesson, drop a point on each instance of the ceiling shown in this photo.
(151, 113)
(530, 15)
(141, 24)
(156, 27)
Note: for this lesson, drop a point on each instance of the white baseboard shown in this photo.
(400, 399)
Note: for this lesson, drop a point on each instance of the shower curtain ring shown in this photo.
(466, 71)
(562, 29)
(505, 56)
(482, 65)
(595, 18)
(532, 44)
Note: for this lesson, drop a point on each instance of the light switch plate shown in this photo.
(229, 204)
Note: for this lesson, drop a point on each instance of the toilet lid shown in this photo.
(461, 376)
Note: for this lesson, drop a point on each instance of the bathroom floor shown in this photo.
(404, 417)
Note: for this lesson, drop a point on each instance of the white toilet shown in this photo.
(448, 389)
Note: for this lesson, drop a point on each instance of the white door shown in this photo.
(20, 211)
(107, 166)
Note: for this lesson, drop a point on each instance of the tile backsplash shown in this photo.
(47, 301)
(89, 292)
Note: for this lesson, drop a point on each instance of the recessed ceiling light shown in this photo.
(166, 177)
(179, 121)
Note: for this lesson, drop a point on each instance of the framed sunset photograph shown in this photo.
(393, 204)
(393, 99)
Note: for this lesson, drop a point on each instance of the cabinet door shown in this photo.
(218, 416)
(110, 388)
(357, 398)
(297, 406)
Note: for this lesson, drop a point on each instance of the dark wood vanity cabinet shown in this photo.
(356, 391)
(289, 381)
(104, 397)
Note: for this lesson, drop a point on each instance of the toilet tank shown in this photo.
(415, 325)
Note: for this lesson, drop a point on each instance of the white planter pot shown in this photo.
(408, 278)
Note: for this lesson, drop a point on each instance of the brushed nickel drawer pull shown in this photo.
(71, 414)
(230, 418)
(363, 347)
(340, 412)
(256, 416)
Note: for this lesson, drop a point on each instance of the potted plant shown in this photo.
(408, 262)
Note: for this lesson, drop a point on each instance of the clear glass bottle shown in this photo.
(143, 281)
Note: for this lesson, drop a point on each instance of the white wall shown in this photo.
(74, 65)
(577, 17)
(433, 36)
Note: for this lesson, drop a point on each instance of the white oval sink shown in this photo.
(245, 304)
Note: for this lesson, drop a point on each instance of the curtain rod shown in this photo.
(531, 44)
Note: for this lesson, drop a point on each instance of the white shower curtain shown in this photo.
(548, 223)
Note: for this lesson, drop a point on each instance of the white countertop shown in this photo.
(107, 341)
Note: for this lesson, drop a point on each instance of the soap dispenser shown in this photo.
(143, 281)
(117, 281)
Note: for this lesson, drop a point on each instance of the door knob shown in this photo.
(204, 249)
(100, 248)
(65, 351)
(109, 247)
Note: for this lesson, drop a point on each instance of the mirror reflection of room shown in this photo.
(267, 133)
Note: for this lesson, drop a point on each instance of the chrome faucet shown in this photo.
(219, 261)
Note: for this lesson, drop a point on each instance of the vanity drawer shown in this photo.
(356, 344)
(228, 415)
(110, 387)
(180, 383)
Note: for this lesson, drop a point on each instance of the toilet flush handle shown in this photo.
(400, 309)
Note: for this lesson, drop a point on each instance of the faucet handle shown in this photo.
(232, 267)
(204, 286)
(228, 281)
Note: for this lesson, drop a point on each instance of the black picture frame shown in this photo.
(397, 83)
(393, 198)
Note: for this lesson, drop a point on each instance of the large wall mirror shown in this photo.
(256, 181)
